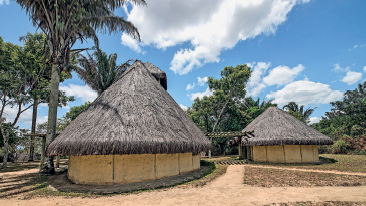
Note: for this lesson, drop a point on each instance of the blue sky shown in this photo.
(310, 52)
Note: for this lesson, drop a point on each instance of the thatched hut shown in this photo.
(134, 131)
(278, 137)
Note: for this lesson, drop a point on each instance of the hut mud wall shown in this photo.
(285, 153)
(121, 169)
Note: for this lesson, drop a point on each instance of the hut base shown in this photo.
(285, 153)
(121, 169)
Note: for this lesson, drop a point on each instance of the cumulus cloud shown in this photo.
(282, 75)
(200, 95)
(132, 43)
(352, 77)
(183, 107)
(305, 92)
(4, 2)
(364, 69)
(255, 85)
(190, 86)
(202, 81)
(78, 91)
(207, 28)
(314, 120)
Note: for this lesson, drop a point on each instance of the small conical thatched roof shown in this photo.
(158, 74)
(135, 115)
(276, 127)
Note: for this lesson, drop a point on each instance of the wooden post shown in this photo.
(240, 151)
(249, 156)
(43, 151)
(244, 148)
(57, 162)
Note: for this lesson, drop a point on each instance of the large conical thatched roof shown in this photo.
(276, 127)
(135, 115)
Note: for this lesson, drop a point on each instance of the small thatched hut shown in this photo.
(280, 138)
(134, 131)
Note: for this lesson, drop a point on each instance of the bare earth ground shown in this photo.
(225, 190)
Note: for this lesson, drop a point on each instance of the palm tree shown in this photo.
(64, 22)
(101, 72)
(304, 116)
(249, 102)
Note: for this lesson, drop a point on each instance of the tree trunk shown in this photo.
(218, 119)
(33, 130)
(57, 162)
(6, 146)
(42, 152)
(48, 166)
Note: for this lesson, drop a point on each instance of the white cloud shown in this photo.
(282, 75)
(4, 2)
(200, 95)
(78, 91)
(190, 86)
(183, 107)
(356, 46)
(132, 43)
(305, 92)
(352, 77)
(202, 81)
(255, 86)
(314, 120)
(41, 120)
(338, 68)
(364, 69)
(25, 117)
(208, 28)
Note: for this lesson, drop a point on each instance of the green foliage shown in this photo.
(75, 111)
(298, 111)
(340, 147)
(12, 135)
(100, 71)
(227, 109)
(347, 117)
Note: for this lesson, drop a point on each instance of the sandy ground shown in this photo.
(226, 190)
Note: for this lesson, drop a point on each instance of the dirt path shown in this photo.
(309, 170)
(226, 190)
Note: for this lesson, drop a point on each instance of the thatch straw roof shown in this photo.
(135, 115)
(158, 74)
(276, 127)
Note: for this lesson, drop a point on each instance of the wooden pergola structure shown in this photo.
(243, 151)
(43, 135)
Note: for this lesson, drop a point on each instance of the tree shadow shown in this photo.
(11, 185)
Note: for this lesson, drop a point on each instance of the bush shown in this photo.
(340, 147)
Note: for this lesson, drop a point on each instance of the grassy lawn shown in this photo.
(269, 177)
(343, 163)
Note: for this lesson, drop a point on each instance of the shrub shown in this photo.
(340, 147)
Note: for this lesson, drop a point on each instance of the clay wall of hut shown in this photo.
(121, 169)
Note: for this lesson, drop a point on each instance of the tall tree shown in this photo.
(32, 58)
(230, 87)
(100, 71)
(64, 22)
(14, 89)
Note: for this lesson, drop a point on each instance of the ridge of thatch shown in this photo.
(276, 127)
(135, 115)
(158, 74)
